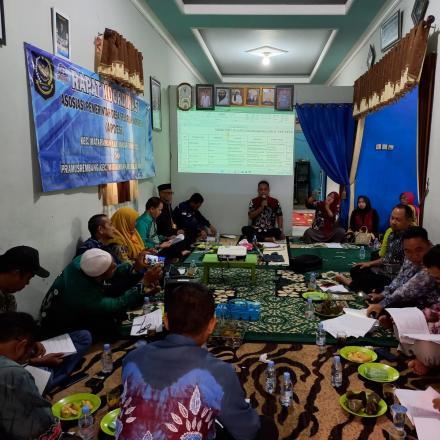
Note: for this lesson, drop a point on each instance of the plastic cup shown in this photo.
(399, 413)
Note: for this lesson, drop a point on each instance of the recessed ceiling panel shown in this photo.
(229, 49)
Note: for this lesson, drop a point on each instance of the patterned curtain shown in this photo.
(394, 75)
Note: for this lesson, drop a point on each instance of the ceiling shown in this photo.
(216, 35)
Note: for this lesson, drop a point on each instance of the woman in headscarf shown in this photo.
(127, 243)
(407, 198)
(364, 216)
(325, 227)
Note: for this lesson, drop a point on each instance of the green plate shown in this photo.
(315, 296)
(378, 372)
(344, 352)
(108, 422)
(382, 408)
(75, 399)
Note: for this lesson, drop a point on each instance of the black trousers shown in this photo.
(268, 431)
(250, 231)
(367, 280)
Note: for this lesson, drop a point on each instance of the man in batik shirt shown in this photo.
(266, 216)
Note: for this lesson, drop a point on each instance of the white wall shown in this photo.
(227, 196)
(54, 222)
(357, 66)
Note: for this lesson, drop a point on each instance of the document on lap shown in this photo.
(41, 377)
(418, 403)
(59, 344)
(177, 239)
(411, 325)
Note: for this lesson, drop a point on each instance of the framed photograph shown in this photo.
(205, 97)
(2, 25)
(237, 96)
(253, 96)
(156, 104)
(419, 11)
(391, 31)
(223, 96)
(61, 34)
(284, 98)
(267, 96)
(184, 96)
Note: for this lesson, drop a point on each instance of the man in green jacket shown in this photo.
(80, 297)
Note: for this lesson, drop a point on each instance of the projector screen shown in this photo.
(236, 140)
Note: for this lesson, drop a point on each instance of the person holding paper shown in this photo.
(79, 296)
(24, 413)
(189, 218)
(170, 248)
(18, 266)
(414, 285)
(175, 381)
(266, 216)
(375, 275)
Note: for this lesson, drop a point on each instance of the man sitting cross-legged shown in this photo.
(413, 286)
(176, 387)
(376, 274)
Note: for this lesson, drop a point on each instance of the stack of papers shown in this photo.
(59, 344)
(411, 325)
(333, 245)
(351, 325)
(421, 411)
(145, 323)
(178, 238)
(334, 289)
(40, 376)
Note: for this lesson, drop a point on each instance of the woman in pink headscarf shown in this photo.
(407, 198)
(325, 227)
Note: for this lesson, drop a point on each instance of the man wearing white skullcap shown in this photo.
(81, 298)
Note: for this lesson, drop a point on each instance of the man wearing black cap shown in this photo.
(165, 221)
(18, 266)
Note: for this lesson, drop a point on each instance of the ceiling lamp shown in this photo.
(266, 52)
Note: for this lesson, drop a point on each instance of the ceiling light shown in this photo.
(266, 52)
(266, 60)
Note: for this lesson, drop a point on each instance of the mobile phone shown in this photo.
(95, 381)
(151, 260)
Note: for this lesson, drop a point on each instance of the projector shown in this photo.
(231, 253)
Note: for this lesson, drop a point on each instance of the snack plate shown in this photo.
(382, 408)
(75, 398)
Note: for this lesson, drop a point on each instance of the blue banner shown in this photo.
(88, 130)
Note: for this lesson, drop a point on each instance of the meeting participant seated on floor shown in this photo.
(18, 266)
(166, 226)
(325, 227)
(79, 297)
(364, 216)
(24, 413)
(189, 218)
(126, 244)
(265, 215)
(101, 233)
(413, 286)
(407, 198)
(176, 379)
(376, 274)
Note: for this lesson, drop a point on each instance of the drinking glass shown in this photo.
(399, 413)
(341, 338)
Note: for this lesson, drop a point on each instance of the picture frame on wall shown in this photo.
(391, 31)
(184, 96)
(284, 98)
(253, 96)
(237, 96)
(61, 34)
(2, 25)
(419, 11)
(267, 96)
(204, 97)
(156, 104)
(222, 96)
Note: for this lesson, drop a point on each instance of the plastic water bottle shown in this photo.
(362, 253)
(106, 360)
(336, 372)
(254, 240)
(85, 424)
(286, 390)
(270, 378)
(312, 281)
(320, 337)
(310, 310)
(217, 237)
(146, 308)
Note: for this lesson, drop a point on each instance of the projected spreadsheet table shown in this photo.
(235, 143)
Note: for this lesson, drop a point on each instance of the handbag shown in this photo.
(363, 237)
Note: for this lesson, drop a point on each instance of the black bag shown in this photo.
(305, 263)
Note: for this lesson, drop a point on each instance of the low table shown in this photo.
(211, 260)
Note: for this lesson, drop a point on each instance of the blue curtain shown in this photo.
(329, 130)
